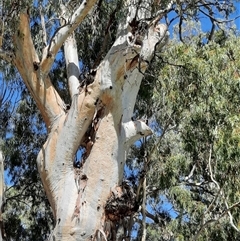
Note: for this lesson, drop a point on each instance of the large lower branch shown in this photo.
(27, 62)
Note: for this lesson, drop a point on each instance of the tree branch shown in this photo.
(191, 173)
(217, 20)
(62, 34)
(26, 60)
(215, 220)
(134, 130)
(43, 27)
(1, 30)
(73, 71)
(220, 191)
(159, 15)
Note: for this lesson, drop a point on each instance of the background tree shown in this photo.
(81, 164)
(192, 160)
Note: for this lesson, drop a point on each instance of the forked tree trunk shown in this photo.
(99, 119)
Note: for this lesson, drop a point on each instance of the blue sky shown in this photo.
(205, 21)
(237, 21)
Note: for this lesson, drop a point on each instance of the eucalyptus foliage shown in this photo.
(193, 158)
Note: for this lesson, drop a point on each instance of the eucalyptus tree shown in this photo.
(192, 179)
(106, 47)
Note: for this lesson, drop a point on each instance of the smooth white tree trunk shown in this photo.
(99, 117)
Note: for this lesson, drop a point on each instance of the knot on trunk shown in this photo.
(121, 203)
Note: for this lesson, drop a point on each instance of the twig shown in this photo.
(102, 232)
(215, 220)
(161, 13)
(220, 191)
(217, 20)
(191, 173)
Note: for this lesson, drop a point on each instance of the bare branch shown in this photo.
(216, 220)
(230, 215)
(210, 169)
(217, 20)
(210, 11)
(159, 15)
(191, 173)
(220, 192)
(144, 208)
(43, 27)
(180, 29)
(211, 32)
(97, 237)
(27, 61)
(62, 34)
